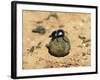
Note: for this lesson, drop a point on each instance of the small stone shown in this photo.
(83, 54)
(39, 29)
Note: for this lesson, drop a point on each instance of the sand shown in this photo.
(76, 25)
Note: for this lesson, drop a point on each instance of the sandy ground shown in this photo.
(77, 26)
